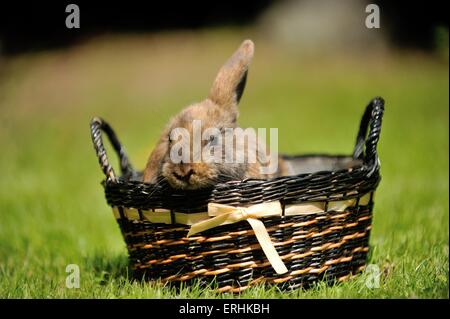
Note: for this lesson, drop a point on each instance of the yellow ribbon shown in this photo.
(224, 214)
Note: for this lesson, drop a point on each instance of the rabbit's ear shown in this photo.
(230, 81)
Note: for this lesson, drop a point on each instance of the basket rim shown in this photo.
(318, 186)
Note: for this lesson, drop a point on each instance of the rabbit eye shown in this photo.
(213, 140)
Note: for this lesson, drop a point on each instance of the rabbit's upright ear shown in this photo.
(230, 81)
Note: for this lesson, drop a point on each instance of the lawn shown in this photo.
(52, 209)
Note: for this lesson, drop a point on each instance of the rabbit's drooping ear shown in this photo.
(230, 81)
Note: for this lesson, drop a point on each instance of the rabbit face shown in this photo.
(192, 173)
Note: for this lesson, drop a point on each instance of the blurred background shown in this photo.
(137, 63)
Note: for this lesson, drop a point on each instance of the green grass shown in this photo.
(52, 209)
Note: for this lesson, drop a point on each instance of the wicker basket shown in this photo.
(318, 221)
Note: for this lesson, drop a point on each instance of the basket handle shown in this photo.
(366, 145)
(98, 125)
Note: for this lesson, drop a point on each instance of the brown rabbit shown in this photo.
(219, 111)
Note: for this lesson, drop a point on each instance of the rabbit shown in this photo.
(219, 110)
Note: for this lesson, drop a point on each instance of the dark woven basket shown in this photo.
(322, 231)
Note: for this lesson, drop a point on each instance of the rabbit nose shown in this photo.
(185, 177)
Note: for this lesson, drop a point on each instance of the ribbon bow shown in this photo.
(224, 214)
